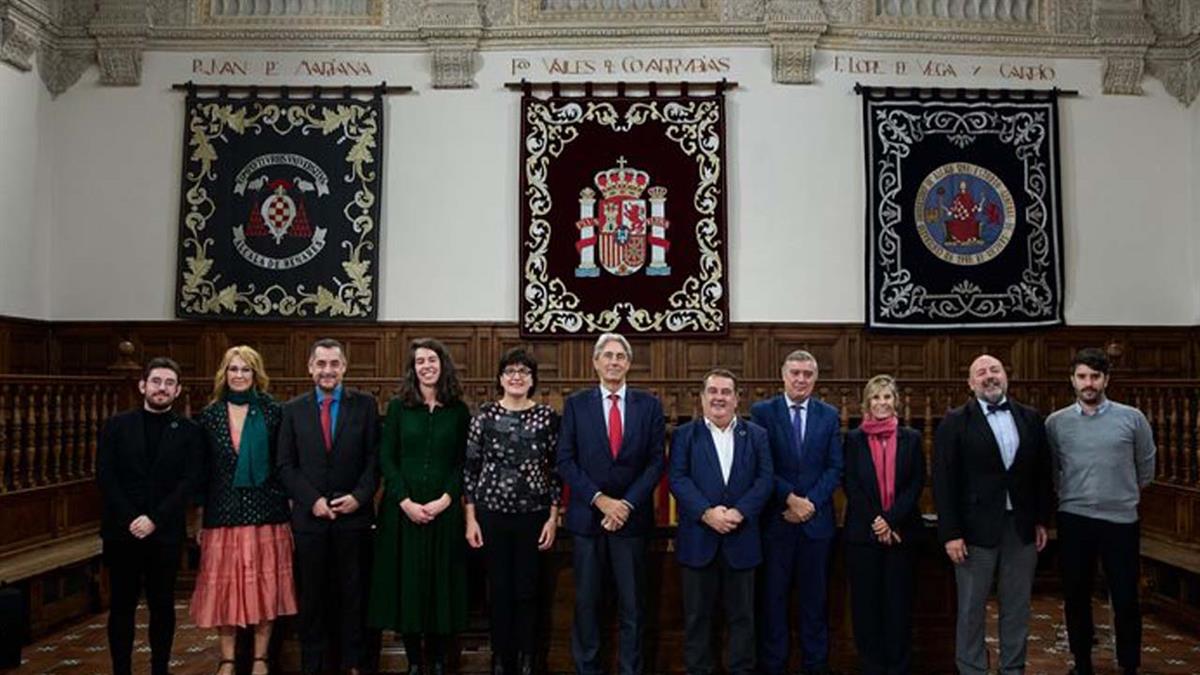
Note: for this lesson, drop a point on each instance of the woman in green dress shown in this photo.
(419, 578)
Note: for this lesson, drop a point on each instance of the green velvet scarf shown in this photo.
(254, 452)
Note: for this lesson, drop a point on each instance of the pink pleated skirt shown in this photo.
(245, 576)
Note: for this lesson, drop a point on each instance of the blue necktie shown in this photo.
(798, 426)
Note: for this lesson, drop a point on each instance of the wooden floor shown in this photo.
(81, 650)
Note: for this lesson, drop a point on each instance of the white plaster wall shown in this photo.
(24, 179)
(449, 238)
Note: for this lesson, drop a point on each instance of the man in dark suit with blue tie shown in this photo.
(798, 527)
(610, 453)
(721, 476)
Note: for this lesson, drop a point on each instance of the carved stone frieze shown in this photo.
(1072, 17)
(60, 69)
(794, 26)
(743, 11)
(497, 13)
(452, 29)
(120, 63)
(844, 11)
(18, 43)
(120, 28)
(453, 66)
(1165, 16)
(23, 27)
(1180, 77)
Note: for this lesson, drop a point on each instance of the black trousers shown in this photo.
(1081, 541)
(510, 543)
(132, 565)
(701, 589)
(331, 569)
(592, 558)
(881, 598)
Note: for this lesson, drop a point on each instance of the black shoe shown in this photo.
(438, 668)
(498, 666)
(1079, 671)
(1129, 671)
(524, 664)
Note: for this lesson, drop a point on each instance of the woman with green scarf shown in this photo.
(245, 576)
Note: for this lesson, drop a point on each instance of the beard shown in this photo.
(155, 406)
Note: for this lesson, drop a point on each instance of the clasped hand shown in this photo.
(423, 514)
(339, 506)
(722, 519)
(799, 509)
(616, 512)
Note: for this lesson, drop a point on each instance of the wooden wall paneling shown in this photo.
(1007, 347)
(753, 350)
(902, 357)
(27, 345)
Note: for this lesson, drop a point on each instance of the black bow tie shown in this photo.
(993, 407)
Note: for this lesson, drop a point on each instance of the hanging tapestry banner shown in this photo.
(964, 211)
(280, 207)
(623, 206)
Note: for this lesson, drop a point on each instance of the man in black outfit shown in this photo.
(148, 467)
(328, 460)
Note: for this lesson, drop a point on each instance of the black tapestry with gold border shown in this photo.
(623, 203)
(964, 224)
(280, 207)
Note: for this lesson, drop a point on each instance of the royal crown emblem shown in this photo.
(619, 225)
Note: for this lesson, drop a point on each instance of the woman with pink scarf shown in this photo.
(885, 472)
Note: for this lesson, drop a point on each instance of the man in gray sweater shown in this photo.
(1103, 454)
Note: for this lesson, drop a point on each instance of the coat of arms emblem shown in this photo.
(281, 216)
(620, 227)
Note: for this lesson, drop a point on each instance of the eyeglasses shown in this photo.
(517, 372)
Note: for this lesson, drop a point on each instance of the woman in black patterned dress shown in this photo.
(512, 497)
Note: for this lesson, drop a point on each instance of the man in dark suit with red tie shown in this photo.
(610, 453)
(148, 468)
(328, 460)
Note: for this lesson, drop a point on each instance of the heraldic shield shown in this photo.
(280, 209)
(964, 224)
(601, 248)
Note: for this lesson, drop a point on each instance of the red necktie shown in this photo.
(327, 422)
(614, 425)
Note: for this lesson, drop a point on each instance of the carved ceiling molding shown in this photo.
(1131, 38)
(794, 26)
(121, 28)
(452, 29)
(1179, 70)
(61, 68)
(24, 25)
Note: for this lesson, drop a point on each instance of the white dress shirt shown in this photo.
(723, 439)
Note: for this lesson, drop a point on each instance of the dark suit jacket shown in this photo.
(587, 465)
(698, 485)
(309, 472)
(813, 472)
(131, 486)
(969, 479)
(863, 501)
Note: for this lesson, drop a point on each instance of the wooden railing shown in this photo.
(49, 425)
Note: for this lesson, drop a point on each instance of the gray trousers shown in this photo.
(1016, 562)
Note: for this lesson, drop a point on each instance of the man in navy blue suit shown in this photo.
(798, 526)
(610, 453)
(721, 476)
